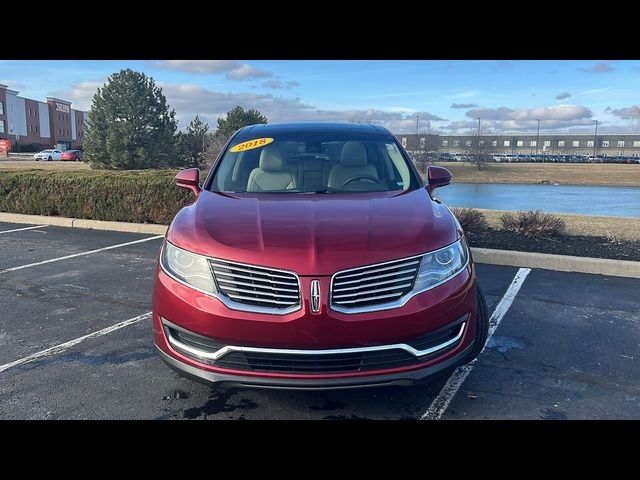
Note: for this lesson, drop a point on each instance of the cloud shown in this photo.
(279, 84)
(189, 100)
(563, 96)
(503, 118)
(628, 113)
(464, 105)
(12, 84)
(600, 67)
(80, 94)
(233, 69)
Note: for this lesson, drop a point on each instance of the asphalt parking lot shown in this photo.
(567, 348)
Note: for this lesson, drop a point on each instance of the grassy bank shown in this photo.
(33, 165)
(149, 196)
(587, 225)
(563, 173)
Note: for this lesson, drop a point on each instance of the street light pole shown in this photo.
(478, 144)
(595, 141)
(538, 138)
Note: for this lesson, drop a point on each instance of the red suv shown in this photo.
(315, 256)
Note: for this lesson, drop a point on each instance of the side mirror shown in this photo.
(189, 178)
(437, 177)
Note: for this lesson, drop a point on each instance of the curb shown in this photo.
(559, 263)
(510, 258)
(83, 223)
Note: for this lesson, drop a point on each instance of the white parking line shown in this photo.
(64, 346)
(25, 228)
(440, 404)
(81, 254)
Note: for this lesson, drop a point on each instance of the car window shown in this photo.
(313, 163)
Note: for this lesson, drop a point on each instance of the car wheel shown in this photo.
(482, 327)
(49, 159)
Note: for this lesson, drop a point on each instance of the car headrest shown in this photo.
(353, 155)
(271, 159)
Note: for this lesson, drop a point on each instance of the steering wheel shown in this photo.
(369, 178)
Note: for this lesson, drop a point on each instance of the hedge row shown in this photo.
(148, 196)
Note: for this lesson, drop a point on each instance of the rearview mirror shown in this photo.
(437, 177)
(189, 178)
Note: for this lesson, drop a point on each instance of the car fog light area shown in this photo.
(188, 268)
(436, 267)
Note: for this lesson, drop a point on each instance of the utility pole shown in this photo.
(538, 138)
(595, 141)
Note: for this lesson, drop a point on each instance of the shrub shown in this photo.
(533, 223)
(471, 220)
(149, 196)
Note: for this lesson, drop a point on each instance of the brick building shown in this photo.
(52, 124)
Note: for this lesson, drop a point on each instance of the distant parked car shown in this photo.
(72, 155)
(48, 155)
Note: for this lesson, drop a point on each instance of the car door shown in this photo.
(57, 155)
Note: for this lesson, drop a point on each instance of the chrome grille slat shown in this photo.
(375, 277)
(409, 277)
(373, 285)
(244, 290)
(367, 272)
(377, 297)
(247, 284)
(274, 290)
(268, 300)
(246, 270)
(236, 275)
(369, 292)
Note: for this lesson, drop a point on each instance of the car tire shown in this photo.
(482, 327)
(49, 159)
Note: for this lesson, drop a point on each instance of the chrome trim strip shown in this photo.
(227, 302)
(404, 299)
(335, 351)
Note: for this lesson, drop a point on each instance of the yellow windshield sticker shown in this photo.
(257, 143)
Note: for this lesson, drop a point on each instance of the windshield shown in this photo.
(46, 151)
(313, 163)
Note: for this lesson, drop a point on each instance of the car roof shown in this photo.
(308, 127)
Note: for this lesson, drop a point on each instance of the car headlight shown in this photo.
(436, 267)
(188, 268)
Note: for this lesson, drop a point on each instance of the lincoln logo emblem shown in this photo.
(315, 296)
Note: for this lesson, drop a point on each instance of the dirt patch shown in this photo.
(577, 246)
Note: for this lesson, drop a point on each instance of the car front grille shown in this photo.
(256, 286)
(374, 284)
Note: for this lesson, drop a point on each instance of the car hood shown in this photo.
(315, 234)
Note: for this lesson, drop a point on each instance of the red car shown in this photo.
(72, 155)
(314, 256)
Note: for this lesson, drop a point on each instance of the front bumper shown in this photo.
(326, 331)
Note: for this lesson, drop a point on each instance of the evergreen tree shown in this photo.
(130, 125)
(237, 118)
(192, 144)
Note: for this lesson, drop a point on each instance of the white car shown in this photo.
(48, 155)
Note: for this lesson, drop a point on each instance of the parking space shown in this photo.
(569, 355)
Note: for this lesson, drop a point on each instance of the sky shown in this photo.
(447, 96)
